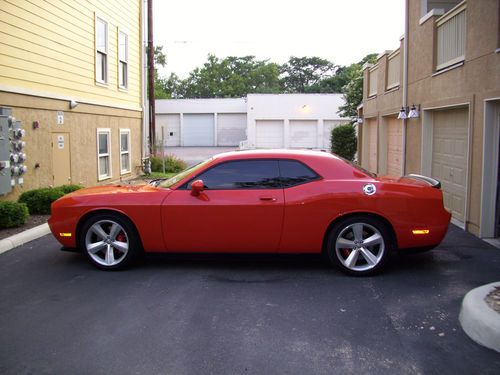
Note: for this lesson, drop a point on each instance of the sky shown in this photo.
(342, 32)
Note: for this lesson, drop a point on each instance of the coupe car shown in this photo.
(272, 201)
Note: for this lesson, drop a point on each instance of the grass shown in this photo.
(154, 175)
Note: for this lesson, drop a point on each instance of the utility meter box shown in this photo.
(5, 176)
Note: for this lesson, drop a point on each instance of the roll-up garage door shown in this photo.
(449, 157)
(303, 133)
(198, 130)
(231, 128)
(394, 130)
(269, 134)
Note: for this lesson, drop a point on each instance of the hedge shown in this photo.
(13, 214)
(344, 141)
(39, 200)
(172, 164)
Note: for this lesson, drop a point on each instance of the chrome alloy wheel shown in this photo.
(107, 243)
(360, 247)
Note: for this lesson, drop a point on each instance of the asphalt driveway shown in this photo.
(241, 314)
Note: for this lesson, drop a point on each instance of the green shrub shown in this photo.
(172, 164)
(39, 200)
(70, 188)
(13, 214)
(344, 142)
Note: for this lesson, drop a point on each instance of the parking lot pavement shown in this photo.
(241, 314)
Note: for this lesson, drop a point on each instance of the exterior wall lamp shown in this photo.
(407, 113)
(73, 104)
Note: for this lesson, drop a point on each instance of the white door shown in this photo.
(198, 130)
(303, 133)
(449, 157)
(231, 128)
(394, 135)
(269, 134)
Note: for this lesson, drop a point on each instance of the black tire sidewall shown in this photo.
(132, 236)
(337, 229)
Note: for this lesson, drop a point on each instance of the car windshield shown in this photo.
(174, 179)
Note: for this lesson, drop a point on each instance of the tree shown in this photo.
(304, 74)
(343, 141)
(231, 77)
(353, 90)
(160, 59)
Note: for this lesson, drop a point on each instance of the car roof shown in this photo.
(273, 153)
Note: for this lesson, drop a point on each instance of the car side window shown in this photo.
(295, 173)
(242, 174)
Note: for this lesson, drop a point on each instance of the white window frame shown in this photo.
(101, 176)
(101, 51)
(125, 171)
(122, 61)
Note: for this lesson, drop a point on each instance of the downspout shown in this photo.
(405, 81)
(145, 117)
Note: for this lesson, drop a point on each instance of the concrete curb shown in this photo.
(478, 320)
(11, 242)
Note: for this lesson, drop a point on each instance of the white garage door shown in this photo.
(231, 128)
(168, 128)
(394, 146)
(303, 133)
(198, 130)
(269, 134)
(449, 157)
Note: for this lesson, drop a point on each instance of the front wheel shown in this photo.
(109, 241)
(359, 245)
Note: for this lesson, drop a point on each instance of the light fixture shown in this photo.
(305, 109)
(359, 120)
(407, 112)
(73, 104)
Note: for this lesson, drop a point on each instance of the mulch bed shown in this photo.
(33, 221)
(493, 299)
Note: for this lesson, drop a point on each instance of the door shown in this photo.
(240, 210)
(370, 141)
(168, 128)
(449, 157)
(61, 159)
(231, 128)
(269, 134)
(198, 130)
(303, 133)
(394, 130)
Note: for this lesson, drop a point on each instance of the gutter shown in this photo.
(405, 82)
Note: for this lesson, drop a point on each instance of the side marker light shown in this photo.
(420, 231)
(65, 234)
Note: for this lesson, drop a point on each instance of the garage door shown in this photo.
(168, 128)
(269, 134)
(449, 157)
(231, 128)
(198, 130)
(303, 133)
(370, 140)
(394, 130)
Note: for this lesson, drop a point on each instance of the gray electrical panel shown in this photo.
(12, 153)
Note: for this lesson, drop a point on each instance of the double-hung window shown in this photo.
(101, 50)
(103, 153)
(124, 151)
(122, 60)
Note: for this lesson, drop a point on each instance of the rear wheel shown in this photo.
(109, 241)
(359, 245)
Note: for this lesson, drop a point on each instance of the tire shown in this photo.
(110, 241)
(348, 248)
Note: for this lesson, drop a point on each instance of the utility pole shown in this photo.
(151, 80)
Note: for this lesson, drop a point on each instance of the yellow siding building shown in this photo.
(72, 73)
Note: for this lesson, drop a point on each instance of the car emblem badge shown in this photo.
(369, 189)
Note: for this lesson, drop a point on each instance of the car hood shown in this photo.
(112, 189)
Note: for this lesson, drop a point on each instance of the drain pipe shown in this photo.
(405, 81)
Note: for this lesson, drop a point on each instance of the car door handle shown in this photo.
(268, 199)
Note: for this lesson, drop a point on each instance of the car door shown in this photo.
(240, 210)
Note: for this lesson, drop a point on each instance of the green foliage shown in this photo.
(39, 200)
(13, 214)
(154, 175)
(172, 164)
(353, 90)
(343, 141)
(304, 74)
(70, 188)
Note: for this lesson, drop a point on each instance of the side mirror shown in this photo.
(197, 187)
